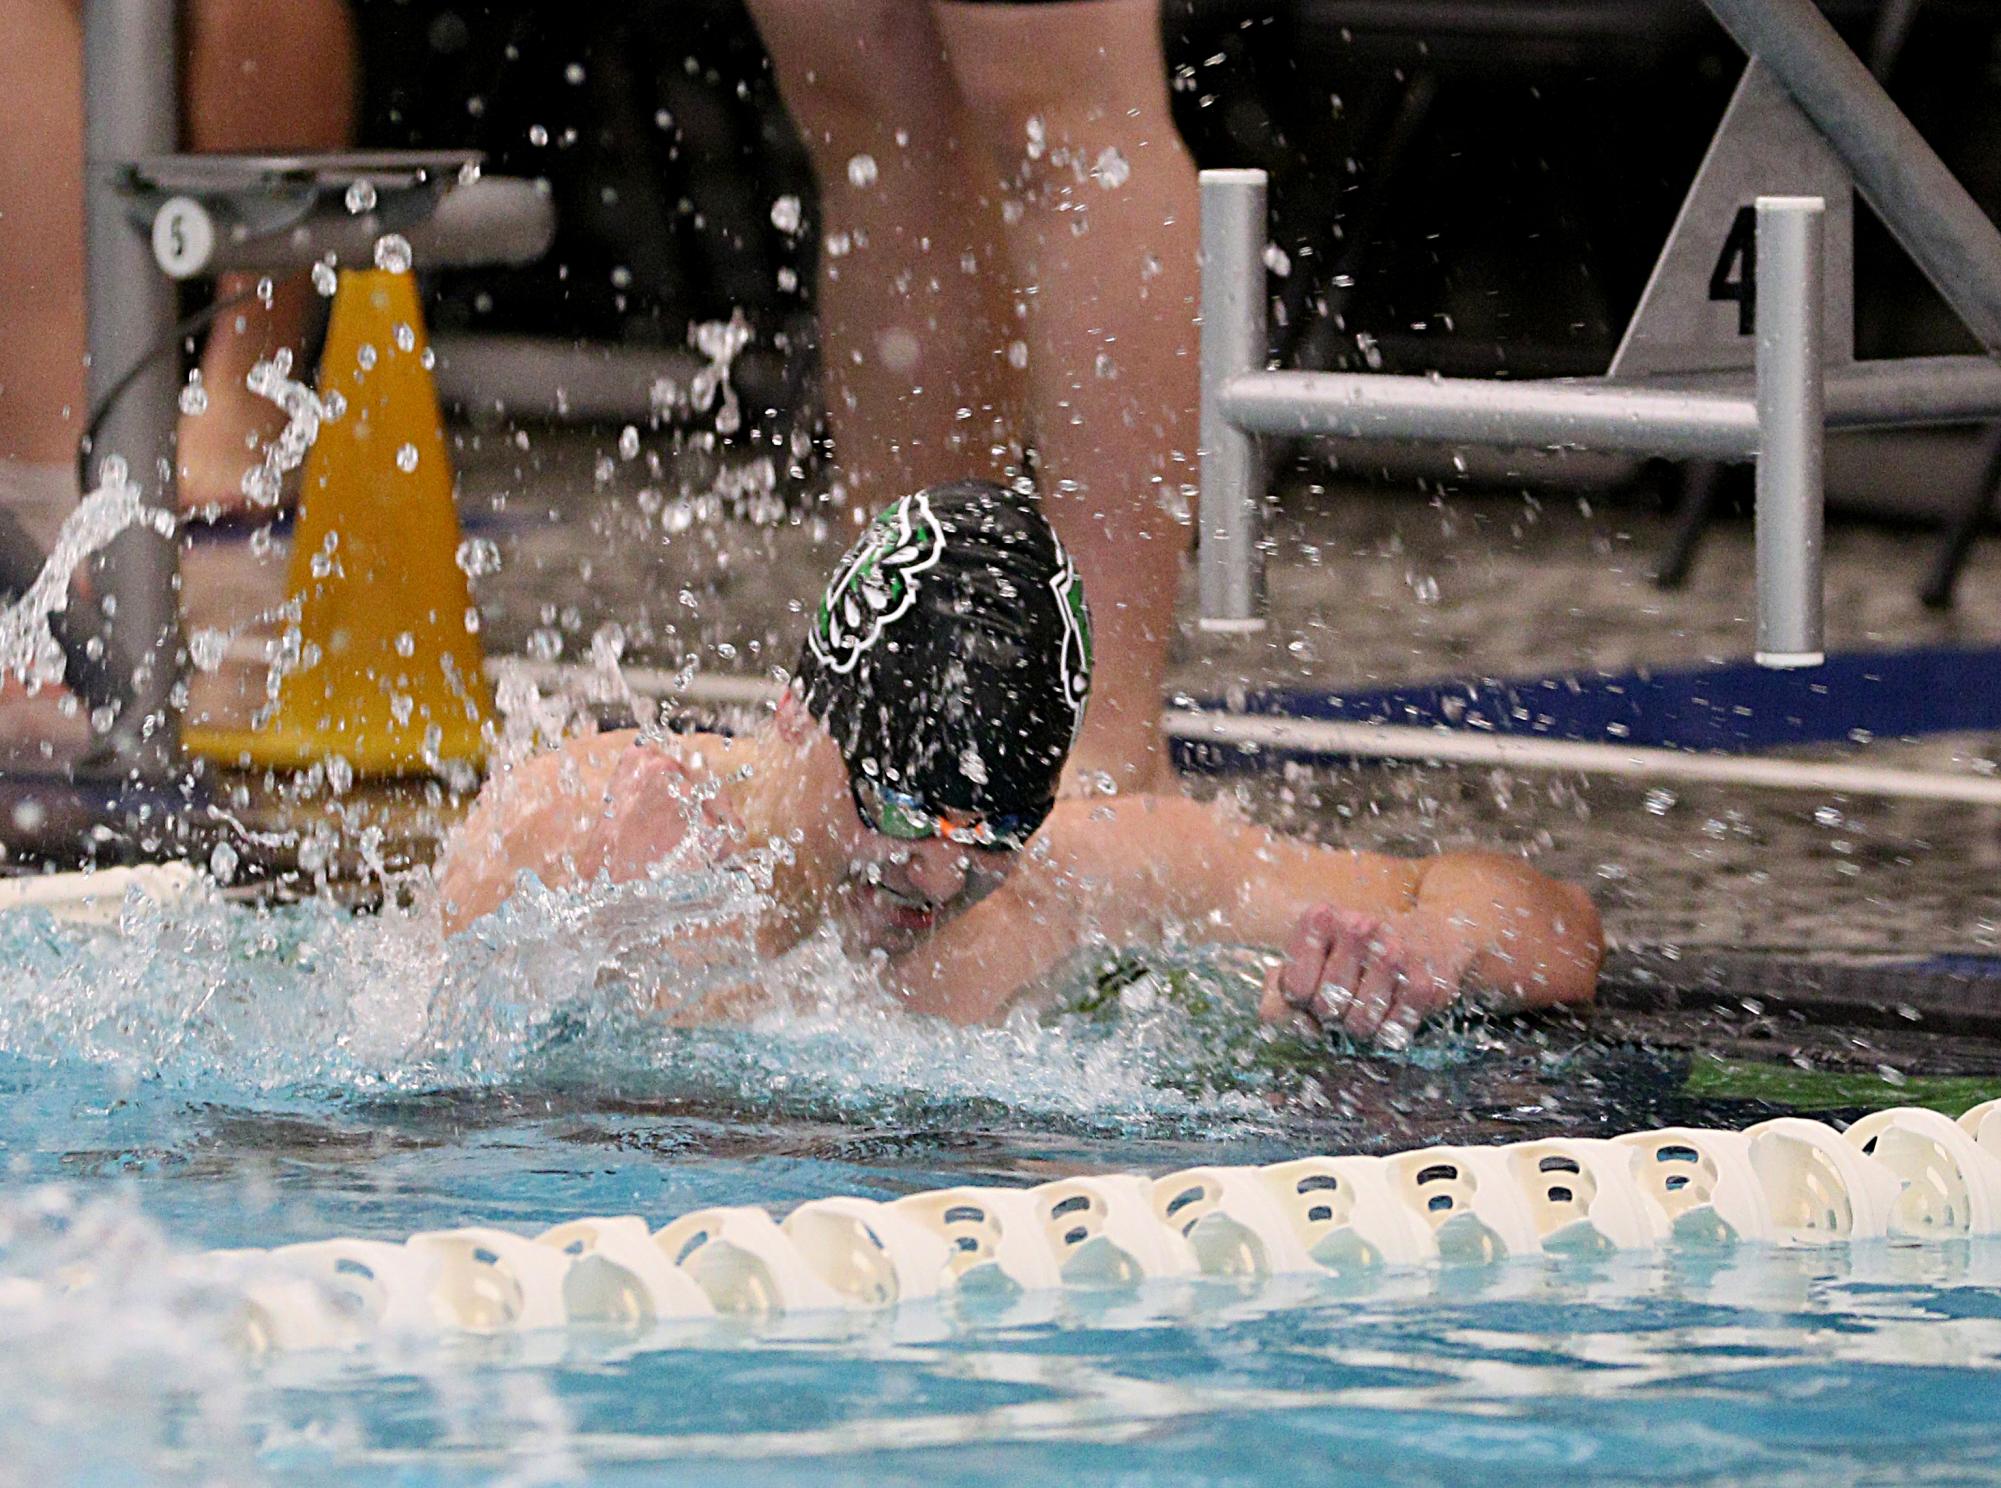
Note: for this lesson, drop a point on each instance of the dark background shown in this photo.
(1495, 177)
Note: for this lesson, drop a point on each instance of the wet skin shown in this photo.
(1370, 944)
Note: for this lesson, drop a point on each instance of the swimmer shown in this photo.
(905, 793)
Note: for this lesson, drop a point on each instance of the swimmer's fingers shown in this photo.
(1324, 961)
(1378, 986)
(1431, 983)
(1305, 955)
(1274, 1008)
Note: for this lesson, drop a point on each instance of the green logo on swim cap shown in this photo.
(1073, 663)
(877, 582)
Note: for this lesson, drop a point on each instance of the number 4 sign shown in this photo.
(1700, 309)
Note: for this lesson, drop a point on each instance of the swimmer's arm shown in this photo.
(1513, 937)
(1379, 943)
(972, 969)
(1116, 872)
(1488, 925)
(604, 804)
(1528, 940)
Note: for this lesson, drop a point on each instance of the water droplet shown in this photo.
(788, 279)
(406, 458)
(360, 196)
(406, 644)
(194, 397)
(478, 556)
(207, 648)
(1017, 354)
(427, 359)
(333, 405)
(1113, 170)
(222, 863)
(1038, 136)
(325, 279)
(537, 135)
(838, 245)
(469, 173)
(628, 443)
(861, 171)
(574, 74)
(365, 358)
(1660, 802)
(392, 253)
(1105, 367)
(266, 290)
(406, 338)
(898, 349)
(1827, 816)
(1277, 260)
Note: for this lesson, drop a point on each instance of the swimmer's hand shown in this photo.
(1375, 977)
(651, 800)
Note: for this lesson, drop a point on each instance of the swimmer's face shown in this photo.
(899, 890)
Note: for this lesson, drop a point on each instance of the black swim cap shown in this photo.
(951, 656)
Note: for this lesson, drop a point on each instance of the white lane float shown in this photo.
(1902, 1176)
(99, 897)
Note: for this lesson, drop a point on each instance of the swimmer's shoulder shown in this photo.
(585, 766)
(1086, 830)
(696, 750)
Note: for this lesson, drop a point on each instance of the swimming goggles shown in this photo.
(903, 816)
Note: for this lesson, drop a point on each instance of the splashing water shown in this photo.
(137, 1339)
(588, 990)
(27, 650)
(264, 483)
(719, 341)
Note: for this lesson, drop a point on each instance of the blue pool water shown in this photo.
(220, 1077)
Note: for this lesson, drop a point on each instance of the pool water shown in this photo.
(218, 1076)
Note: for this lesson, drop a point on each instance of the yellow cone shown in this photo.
(389, 676)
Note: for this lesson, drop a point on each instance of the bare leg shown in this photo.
(919, 388)
(41, 233)
(262, 75)
(1103, 233)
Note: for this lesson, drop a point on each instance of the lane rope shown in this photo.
(1907, 1174)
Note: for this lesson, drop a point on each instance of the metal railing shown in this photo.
(1806, 107)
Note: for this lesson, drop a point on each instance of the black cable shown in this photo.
(183, 329)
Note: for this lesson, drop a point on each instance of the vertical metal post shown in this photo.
(132, 109)
(1791, 428)
(1230, 549)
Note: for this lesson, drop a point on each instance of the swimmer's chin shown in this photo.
(880, 919)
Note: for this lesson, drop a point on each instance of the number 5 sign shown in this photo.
(183, 237)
